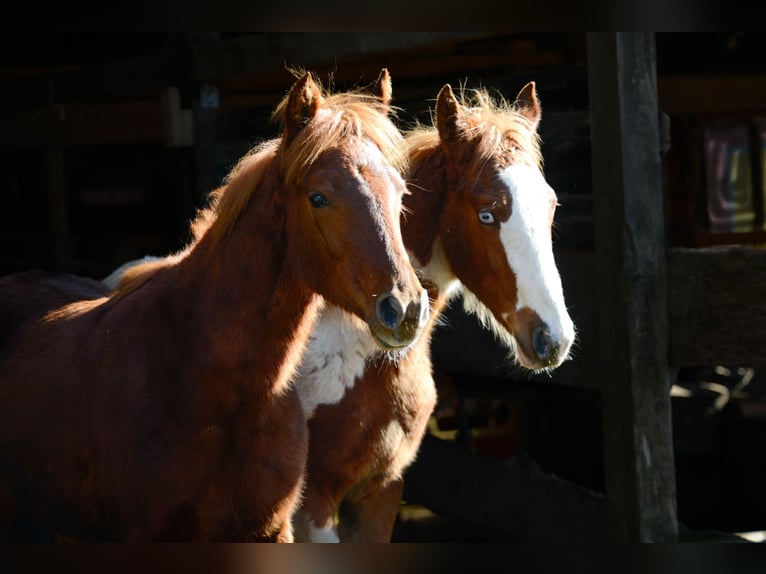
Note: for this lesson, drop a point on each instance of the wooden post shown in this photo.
(58, 218)
(631, 294)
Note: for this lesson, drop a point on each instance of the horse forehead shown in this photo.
(527, 185)
(368, 157)
(370, 172)
(353, 156)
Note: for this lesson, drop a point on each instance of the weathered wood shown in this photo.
(711, 94)
(205, 113)
(513, 497)
(58, 219)
(632, 312)
(83, 124)
(717, 306)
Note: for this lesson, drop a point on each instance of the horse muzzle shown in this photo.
(540, 345)
(397, 323)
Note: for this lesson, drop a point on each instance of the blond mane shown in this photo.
(132, 275)
(497, 124)
(343, 116)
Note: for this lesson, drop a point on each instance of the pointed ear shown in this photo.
(449, 117)
(528, 104)
(303, 102)
(382, 88)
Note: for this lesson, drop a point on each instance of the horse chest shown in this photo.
(336, 356)
(412, 397)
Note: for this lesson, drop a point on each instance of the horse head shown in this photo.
(341, 160)
(496, 221)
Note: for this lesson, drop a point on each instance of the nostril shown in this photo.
(389, 311)
(542, 344)
(416, 314)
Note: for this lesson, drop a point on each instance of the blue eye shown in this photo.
(318, 200)
(486, 217)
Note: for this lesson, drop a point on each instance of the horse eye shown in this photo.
(486, 217)
(318, 200)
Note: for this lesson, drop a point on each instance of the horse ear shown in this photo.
(382, 87)
(303, 102)
(449, 118)
(528, 104)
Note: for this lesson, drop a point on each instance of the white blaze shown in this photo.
(528, 246)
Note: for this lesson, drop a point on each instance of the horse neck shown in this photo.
(421, 226)
(252, 310)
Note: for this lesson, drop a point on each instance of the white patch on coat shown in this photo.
(336, 356)
(322, 535)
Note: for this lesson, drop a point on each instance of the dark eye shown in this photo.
(318, 200)
(486, 217)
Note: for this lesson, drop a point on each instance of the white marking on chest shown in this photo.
(322, 535)
(527, 240)
(336, 356)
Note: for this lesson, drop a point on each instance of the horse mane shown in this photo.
(498, 126)
(351, 114)
(227, 202)
(222, 209)
(134, 275)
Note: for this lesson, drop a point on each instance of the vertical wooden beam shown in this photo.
(58, 217)
(632, 307)
(207, 66)
(205, 114)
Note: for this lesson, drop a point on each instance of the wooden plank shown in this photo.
(58, 218)
(81, 124)
(205, 113)
(711, 94)
(632, 312)
(716, 306)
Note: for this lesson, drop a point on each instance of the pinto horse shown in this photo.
(478, 222)
(164, 410)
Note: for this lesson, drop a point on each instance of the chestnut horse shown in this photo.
(478, 221)
(165, 411)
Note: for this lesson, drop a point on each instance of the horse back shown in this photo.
(30, 295)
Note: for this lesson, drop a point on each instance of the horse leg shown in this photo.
(315, 521)
(369, 515)
(285, 534)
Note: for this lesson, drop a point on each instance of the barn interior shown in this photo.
(111, 141)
